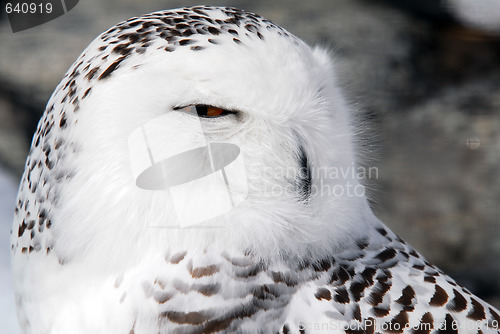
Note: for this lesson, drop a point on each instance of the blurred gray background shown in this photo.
(422, 76)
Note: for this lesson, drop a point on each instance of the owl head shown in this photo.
(174, 99)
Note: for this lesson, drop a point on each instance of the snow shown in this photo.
(8, 192)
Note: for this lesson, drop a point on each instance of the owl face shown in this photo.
(269, 86)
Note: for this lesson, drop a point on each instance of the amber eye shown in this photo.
(207, 111)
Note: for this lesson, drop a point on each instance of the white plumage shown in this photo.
(302, 253)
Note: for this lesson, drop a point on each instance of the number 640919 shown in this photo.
(25, 8)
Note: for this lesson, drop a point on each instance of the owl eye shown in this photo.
(208, 112)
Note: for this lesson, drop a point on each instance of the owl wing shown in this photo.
(385, 286)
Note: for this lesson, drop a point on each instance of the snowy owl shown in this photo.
(118, 165)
